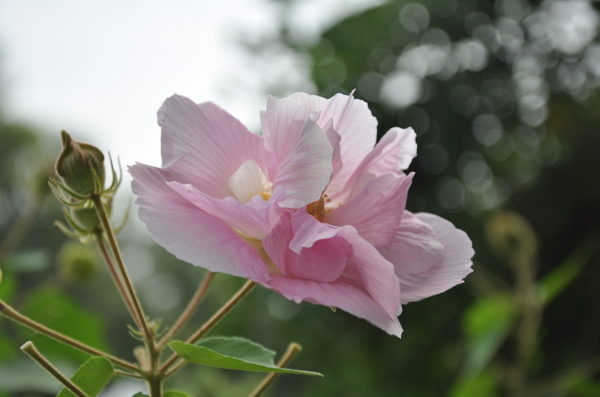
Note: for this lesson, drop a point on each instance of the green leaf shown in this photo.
(140, 394)
(232, 353)
(175, 393)
(559, 279)
(487, 323)
(91, 377)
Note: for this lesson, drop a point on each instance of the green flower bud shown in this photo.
(77, 263)
(74, 165)
(87, 218)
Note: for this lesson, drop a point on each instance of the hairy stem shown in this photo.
(214, 320)
(29, 349)
(112, 241)
(12, 314)
(189, 310)
(116, 278)
(291, 352)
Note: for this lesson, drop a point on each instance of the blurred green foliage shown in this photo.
(504, 98)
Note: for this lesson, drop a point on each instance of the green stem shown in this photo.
(291, 352)
(116, 278)
(214, 320)
(112, 241)
(155, 386)
(29, 349)
(125, 374)
(189, 310)
(12, 314)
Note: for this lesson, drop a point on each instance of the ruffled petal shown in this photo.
(187, 232)
(214, 143)
(324, 261)
(450, 271)
(392, 155)
(353, 121)
(307, 230)
(301, 150)
(253, 219)
(415, 247)
(368, 287)
(377, 210)
(373, 271)
(340, 294)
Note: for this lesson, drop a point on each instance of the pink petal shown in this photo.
(340, 294)
(415, 247)
(353, 121)
(368, 287)
(450, 271)
(254, 219)
(213, 142)
(307, 230)
(377, 210)
(188, 233)
(373, 271)
(392, 154)
(324, 261)
(301, 149)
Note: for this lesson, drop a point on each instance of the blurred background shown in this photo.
(503, 96)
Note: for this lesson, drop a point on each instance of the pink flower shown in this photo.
(312, 208)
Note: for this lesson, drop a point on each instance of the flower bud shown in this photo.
(77, 263)
(74, 165)
(87, 218)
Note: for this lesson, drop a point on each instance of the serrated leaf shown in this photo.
(232, 353)
(91, 377)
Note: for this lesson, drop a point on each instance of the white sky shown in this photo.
(101, 68)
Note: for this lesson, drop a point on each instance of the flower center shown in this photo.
(249, 181)
(317, 208)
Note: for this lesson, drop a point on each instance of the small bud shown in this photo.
(87, 218)
(77, 263)
(74, 165)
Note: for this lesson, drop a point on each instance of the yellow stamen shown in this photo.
(317, 209)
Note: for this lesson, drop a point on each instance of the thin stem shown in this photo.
(112, 241)
(125, 374)
(214, 320)
(12, 314)
(191, 307)
(291, 352)
(29, 349)
(116, 278)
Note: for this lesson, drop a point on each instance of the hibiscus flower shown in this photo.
(312, 208)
